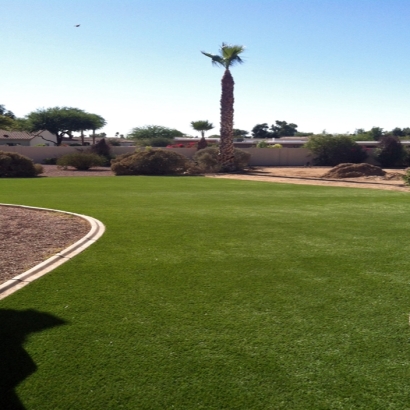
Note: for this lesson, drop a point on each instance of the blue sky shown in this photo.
(322, 64)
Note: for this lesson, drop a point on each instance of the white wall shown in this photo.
(259, 156)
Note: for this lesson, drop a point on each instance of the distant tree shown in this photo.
(283, 129)
(229, 56)
(237, 133)
(398, 132)
(376, 133)
(390, 151)
(406, 131)
(261, 131)
(61, 121)
(6, 113)
(7, 118)
(153, 131)
(21, 124)
(332, 150)
(96, 122)
(6, 123)
(202, 126)
(304, 134)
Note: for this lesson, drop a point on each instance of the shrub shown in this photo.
(406, 156)
(39, 169)
(207, 159)
(103, 150)
(13, 165)
(332, 150)
(151, 162)
(406, 177)
(262, 144)
(80, 160)
(157, 142)
(50, 161)
(390, 151)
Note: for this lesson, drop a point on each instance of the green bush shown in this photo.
(50, 161)
(332, 150)
(151, 162)
(80, 160)
(390, 151)
(207, 159)
(406, 177)
(13, 165)
(158, 142)
(262, 144)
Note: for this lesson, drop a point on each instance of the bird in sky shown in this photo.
(77, 25)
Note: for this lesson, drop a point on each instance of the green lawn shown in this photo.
(216, 294)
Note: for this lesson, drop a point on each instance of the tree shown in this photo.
(228, 57)
(7, 118)
(283, 129)
(202, 126)
(237, 133)
(153, 131)
(406, 131)
(261, 131)
(6, 123)
(6, 113)
(96, 122)
(61, 121)
(332, 150)
(398, 132)
(376, 133)
(390, 151)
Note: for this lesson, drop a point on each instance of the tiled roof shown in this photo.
(15, 135)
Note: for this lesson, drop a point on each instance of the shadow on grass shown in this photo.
(15, 363)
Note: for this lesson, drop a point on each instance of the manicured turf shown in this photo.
(217, 294)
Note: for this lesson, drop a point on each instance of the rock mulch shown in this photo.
(28, 237)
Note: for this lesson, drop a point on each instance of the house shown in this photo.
(24, 138)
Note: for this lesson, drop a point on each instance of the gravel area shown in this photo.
(28, 237)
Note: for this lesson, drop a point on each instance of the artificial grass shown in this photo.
(218, 294)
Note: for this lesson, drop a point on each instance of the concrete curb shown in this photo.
(19, 281)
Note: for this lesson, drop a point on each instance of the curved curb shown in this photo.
(23, 279)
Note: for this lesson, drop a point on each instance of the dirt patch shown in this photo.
(29, 236)
(354, 171)
(392, 181)
(55, 171)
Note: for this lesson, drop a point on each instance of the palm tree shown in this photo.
(97, 122)
(228, 57)
(202, 126)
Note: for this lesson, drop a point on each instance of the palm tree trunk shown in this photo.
(226, 149)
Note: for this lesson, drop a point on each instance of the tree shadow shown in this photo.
(15, 363)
